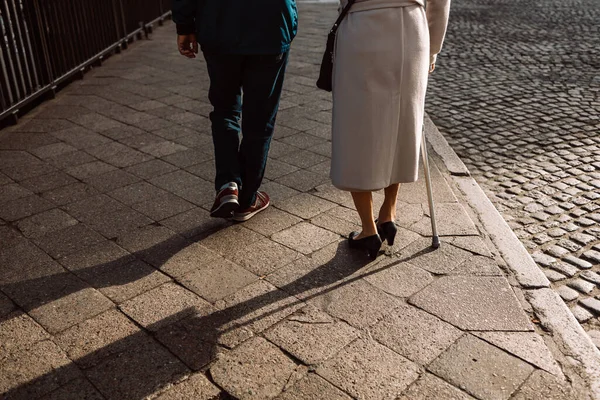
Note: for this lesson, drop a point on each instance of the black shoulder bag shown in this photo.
(325, 80)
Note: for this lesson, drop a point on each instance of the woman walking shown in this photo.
(384, 52)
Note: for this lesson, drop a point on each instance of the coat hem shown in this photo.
(375, 188)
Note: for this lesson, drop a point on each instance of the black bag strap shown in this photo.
(341, 17)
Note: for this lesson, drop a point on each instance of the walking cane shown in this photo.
(435, 238)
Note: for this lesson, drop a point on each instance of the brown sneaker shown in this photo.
(261, 203)
(226, 202)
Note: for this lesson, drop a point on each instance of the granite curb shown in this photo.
(553, 314)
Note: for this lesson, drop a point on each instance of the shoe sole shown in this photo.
(246, 217)
(225, 209)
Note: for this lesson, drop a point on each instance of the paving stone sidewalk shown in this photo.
(116, 284)
(517, 95)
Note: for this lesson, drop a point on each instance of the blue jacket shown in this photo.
(238, 26)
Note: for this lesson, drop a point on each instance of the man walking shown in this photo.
(246, 46)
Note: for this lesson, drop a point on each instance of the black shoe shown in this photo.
(387, 231)
(370, 243)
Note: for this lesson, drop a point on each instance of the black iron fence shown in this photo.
(44, 43)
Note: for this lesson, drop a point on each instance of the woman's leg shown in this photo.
(364, 205)
(387, 212)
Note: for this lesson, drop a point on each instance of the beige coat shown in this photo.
(382, 56)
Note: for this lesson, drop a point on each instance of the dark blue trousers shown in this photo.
(248, 86)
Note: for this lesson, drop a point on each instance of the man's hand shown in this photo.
(187, 45)
(432, 68)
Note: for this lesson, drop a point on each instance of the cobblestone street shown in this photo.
(517, 95)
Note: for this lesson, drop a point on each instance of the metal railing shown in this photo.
(44, 43)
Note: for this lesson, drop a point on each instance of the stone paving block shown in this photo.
(18, 332)
(25, 140)
(416, 335)
(121, 283)
(196, 387)
(78, 389)
(334, 195)
(197, 222)
(141, 371)
(62, 301)
(438, 261)
(336, 225)
(43, 125)
(528, 346)
(4, 179)
(581, 314)
(276, 169)
(398, 278)
(591, 276)
(35, 371)
(24, 261)
(474, 303)
(162, 149)
(472, 244)
(278, 192)
(431, 387)
(69, 240)
(111, 180)
(16, 158)
(542, 385)
(72, 160)
(186, 185)
(14, 210)
(305, 238)
(194, 339)
(567, 293)
(451, 218)
(228, 240)
(582, 286)
(96, 259)
(478, 266)
(93, 340)
(162, 306)
(89, 169)
(254, 370)
(369, 370)
(481, 369)
(48, 182)
(553, 276)
(564, 268)
(302, 158)
(6, 306)
(593, 256)
(187, 158)
(70, 194)
(117, 223)
(151, 169)
(305, 205)
(263, 257)
(311, 335)
(153, 244)
(90, 206)
(136, 193)
(205, 170)
(313, 387)
(271, 221)
(29, 170)
(46, 222)
(591, 304)
(163, 206)
(358, 303)
(256, 308)
(217, 279)
(302, 180)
